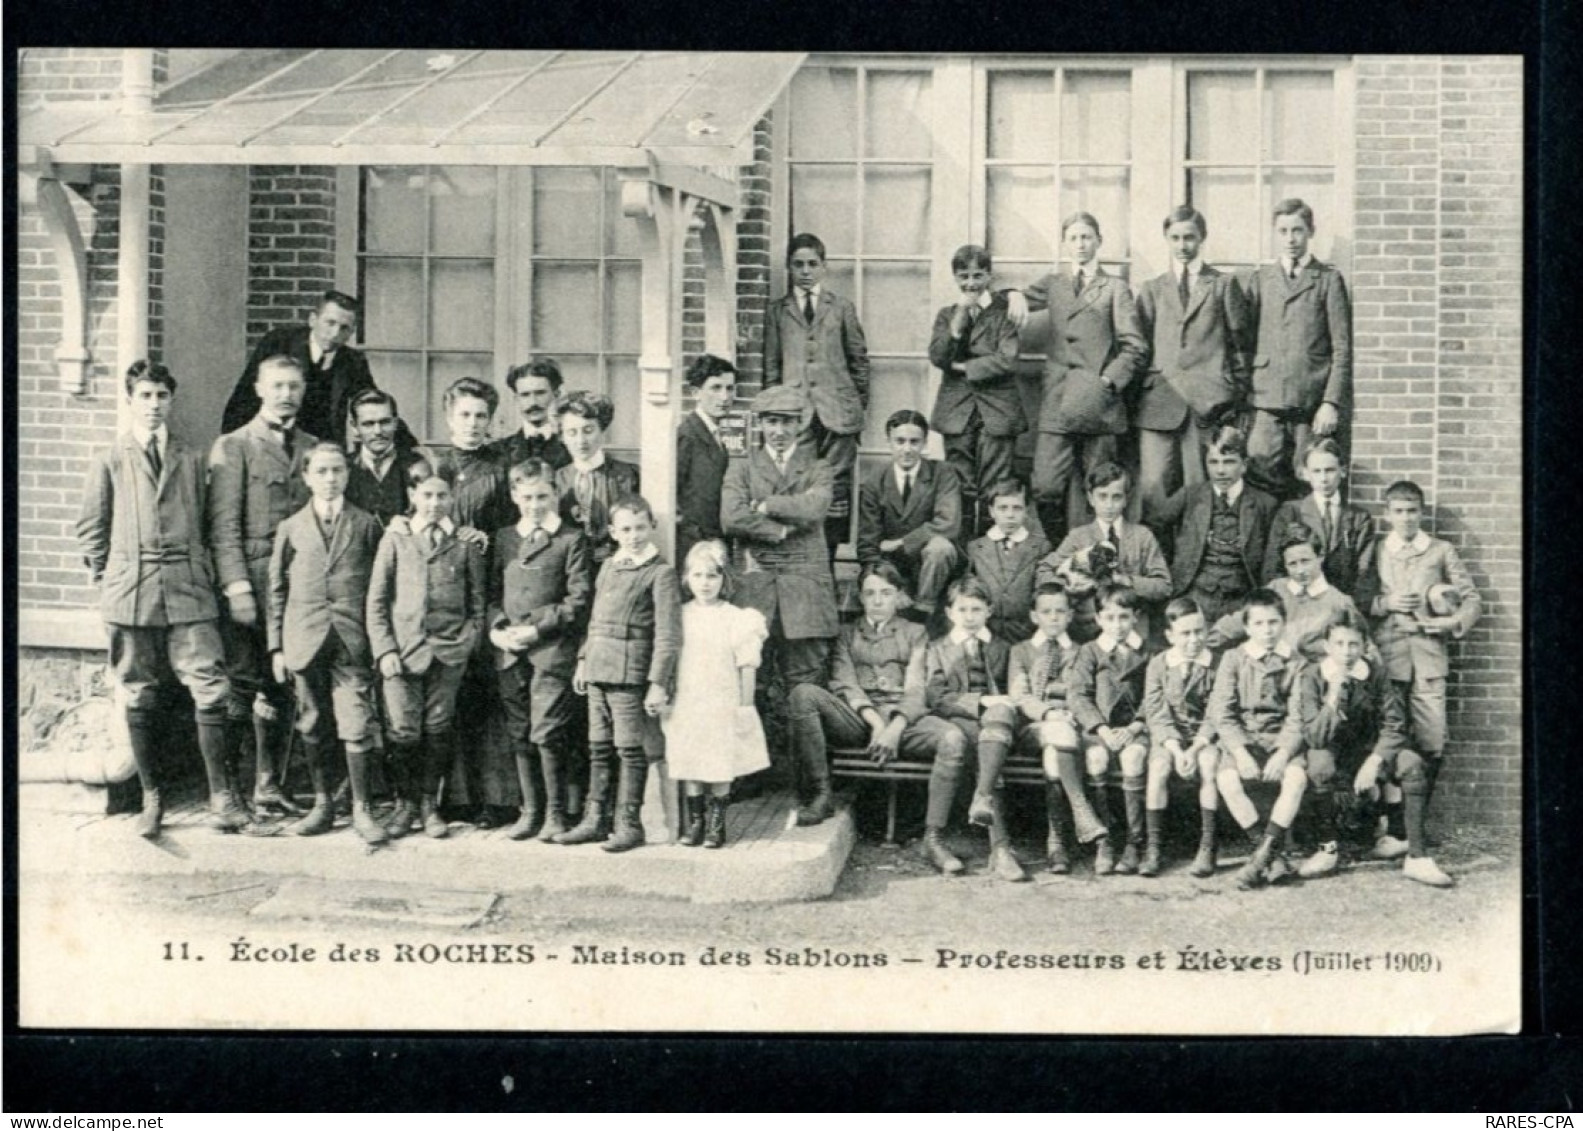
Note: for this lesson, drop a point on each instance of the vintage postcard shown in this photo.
(358, 690)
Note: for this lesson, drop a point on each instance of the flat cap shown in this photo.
(779, 400)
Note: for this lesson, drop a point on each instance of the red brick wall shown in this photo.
(290, 244)
(1437, 286)
(753, 256)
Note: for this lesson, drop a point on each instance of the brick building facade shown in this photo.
(1432, 242)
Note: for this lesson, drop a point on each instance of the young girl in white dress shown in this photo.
(712, 732)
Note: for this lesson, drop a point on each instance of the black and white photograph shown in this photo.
(780, 542)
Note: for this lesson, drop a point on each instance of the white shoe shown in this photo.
(1425, 871)
(1388, 847)
(1321, 863)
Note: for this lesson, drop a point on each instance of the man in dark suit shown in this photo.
(910, 513)
(536, 386)
(334, 371)
(377, 478)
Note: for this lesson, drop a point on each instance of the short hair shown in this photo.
(1348, 617)
(1405, 490)
(971, 255)
(1294, 206)
(1329, 445)
(420, 471)
(373, 396)
(970, 587)
(1230, 439)
(1187, 214)
(145, 370)
(1122, 596)
(906, 416)
(632, 504)
(531, 471)
(588, 405)
(474, 388)
(323, 447)
(1182, 607)
(1004, 487)
(885, 571)
(1081, 218)
(282, 361)
(805, 240)
(712, 552)
(705, 366)
(1050, 589)
(539, 367)
(341, 299)
(1299, 534)
(1264, 599)
(1104, 474)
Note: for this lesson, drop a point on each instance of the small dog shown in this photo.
(1090, 568)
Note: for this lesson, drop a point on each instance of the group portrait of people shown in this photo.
(1178, 606)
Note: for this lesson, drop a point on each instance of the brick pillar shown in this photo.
(753, 258)
(290, 244)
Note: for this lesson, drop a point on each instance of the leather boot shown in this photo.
(270, 740)
(400, 765)
(944, 860)
(1002, 860)
(820, 806)
(1251, 874)
(693, 830)
(595, 825)
(357, 775)
(1104, 856)
(151, 815)
(1132, 799)
(1057, 814)
(628, 833)
(433, 824)
(715, 822)
(321, 818)
(1154, 819)
(226, 812)
(1204, 862)
(527, 825)
(551, 763)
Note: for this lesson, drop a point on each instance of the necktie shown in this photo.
(538, 537)
(906, 488)
(1184, 288)
(970, 648)
(585, 488)
(1330, 523)
(807, 307)
(1107, 533)
(285, 441)
(1077, 284)
(434, 537)
(972, 317)
(154, 462)
(327, 360)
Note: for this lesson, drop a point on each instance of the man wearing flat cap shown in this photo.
(773, 507)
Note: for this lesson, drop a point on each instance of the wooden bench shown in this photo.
(852, 762)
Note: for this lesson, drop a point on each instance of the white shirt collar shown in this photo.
(592, 465)
(551, 524)
(812, 292)
(1281, 649)
(1418, 545)
(378, 466)
(316, 352)
(1105, 644)
(1087, 270)
(1318, 587)
(1359, 670)
(1287, 265)
(443, 522)
(709, 422)
(162, 433)
(1193, 267)
(782, 460)
(1321, 501)
(1116, 526)
(996, 534)
(1234, 492)
(1040, 640)
(877, 626)
(1175, 659)
(901, 475)
(650, 552)
(984, 301)
(546, 431)
(328, 512)
(960, 636)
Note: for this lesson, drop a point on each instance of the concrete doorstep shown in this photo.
(767, 858)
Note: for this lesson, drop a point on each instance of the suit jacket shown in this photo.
(143, 541)
(253, 488)
(827, 360)
(946, 683)
(1036, 678)
(934, 508)
(1106, 688)
(383, 498)
(1197, 356)
(1252, 699)
(635, 628)
(701, 462)
(426, 605)
(782, 560)
(1176, 698)
(1092, 336)
(327, 397)
(1303, 351)
(989, 383)
(481, 492)
(549, 586)
(1009, 575)
(1366, 717)
(1190, 509)
(882, 669)
(508, 451)
(1404, 646)
(317, 588)
(611, 481)
(1348, 557)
